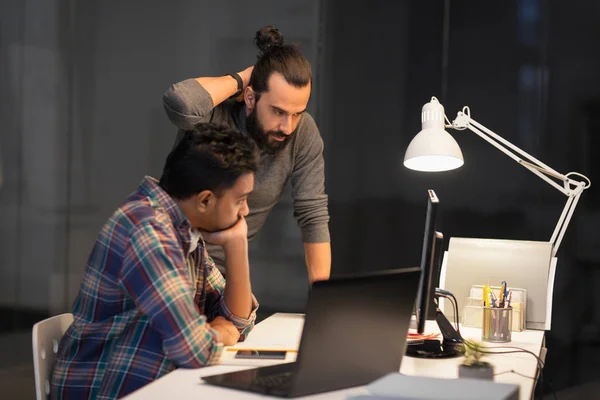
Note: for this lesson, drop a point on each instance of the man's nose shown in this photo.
(286, 126)
(245, 210)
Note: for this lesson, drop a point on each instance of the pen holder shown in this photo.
(497, 324)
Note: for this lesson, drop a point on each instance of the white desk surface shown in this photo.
(282, 331)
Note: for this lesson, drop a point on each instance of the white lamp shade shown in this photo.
(433, 149)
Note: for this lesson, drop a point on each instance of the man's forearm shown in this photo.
(318, 260)
(238, 292)
(223, 87)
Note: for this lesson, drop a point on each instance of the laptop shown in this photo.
(354, 332)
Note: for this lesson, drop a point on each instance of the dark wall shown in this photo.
(528, 72)
(81, 123)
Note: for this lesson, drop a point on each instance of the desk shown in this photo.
(282, 331)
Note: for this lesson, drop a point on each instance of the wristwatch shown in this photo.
(240, 84)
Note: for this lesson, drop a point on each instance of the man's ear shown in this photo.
(204, 200)
(249, 98)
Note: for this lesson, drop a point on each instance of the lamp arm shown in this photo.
(540, 171)
(571, 188)
(565, 218)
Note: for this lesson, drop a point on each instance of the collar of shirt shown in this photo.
(195, 236)
(152, 189)
(240, 116)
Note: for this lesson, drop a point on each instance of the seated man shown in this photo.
(152, 299)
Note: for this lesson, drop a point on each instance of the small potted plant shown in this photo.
(472, 366)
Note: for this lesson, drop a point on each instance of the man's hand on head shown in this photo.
(245, 75)
(237, 293)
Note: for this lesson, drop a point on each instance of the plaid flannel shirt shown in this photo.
(135, 317)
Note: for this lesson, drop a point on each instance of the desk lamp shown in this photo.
(433, 149)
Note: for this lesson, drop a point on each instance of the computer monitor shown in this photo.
(431, 260)
(436, 258)
(425, 294)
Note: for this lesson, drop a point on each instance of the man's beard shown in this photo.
(264, 139)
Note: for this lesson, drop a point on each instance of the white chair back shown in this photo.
(45, 339)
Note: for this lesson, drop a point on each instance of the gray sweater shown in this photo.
(187, 103)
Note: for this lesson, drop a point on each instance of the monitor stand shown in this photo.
(451, 346)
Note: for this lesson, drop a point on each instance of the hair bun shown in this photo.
(268, 36)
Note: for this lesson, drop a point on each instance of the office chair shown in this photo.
(45, 339)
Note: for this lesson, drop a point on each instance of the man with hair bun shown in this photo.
(275, 94)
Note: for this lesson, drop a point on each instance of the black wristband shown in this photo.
(239, 82)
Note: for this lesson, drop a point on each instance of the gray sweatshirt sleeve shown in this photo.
(308, 183)
(187, 104)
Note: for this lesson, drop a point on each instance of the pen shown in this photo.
(494, 299)
(257, 349)
(501, 294)
(486, 296)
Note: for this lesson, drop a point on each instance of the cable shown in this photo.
(541, 363)
(552, 390)
(445, 48)
(540, 367)
(512, 371)
(446, 294)
(515, 350)
(456, 314)
(455, 308)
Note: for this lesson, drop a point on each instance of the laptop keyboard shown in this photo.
(280, 381)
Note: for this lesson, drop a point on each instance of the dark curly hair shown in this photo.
(274, 56)
(209, 157)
